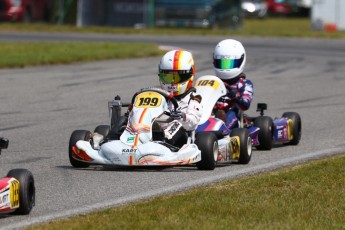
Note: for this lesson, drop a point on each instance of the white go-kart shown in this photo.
(143, 141)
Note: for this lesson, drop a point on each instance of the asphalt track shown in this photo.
(41, 106)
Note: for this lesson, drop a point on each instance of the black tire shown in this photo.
(26, 190)
(103, 130)
(297, 126)
(265, 135)
(208, 145)
(245, 144)
(75, 137)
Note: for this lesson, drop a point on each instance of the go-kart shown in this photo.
(266, 132)
(143, 142)
(263, 130)
(17, 189)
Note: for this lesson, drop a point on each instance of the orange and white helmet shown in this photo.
(176, 71)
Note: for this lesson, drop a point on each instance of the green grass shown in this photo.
(277, 27)
(22, 54)
(309, 196)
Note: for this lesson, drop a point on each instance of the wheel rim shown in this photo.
(249, 146)
(91, 142)
(215, 151)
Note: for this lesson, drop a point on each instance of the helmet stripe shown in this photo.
(177, 59)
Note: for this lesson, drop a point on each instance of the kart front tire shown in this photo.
(208, 145)
(26, 190)
(76, 136)
(103, 130)
(265, 135)
(245, 144)
(297, 126)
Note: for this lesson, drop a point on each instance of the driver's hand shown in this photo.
(223, 103)
(194, 111)
(230, 92)
(178, 115)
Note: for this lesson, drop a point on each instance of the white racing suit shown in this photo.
(187, 117)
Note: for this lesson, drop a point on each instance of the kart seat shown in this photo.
(115, 133)
(157, 132)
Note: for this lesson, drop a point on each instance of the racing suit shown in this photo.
(238, 98)
(187, 116)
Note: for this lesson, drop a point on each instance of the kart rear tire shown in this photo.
(103, 130)
(297, 126)
(265, 134)
(245, 144)
(26, 190)
(208, 145)
(75, 137)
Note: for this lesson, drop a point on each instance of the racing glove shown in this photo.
(223, 103)
(231, 93)
(178, 115)
(193, 113)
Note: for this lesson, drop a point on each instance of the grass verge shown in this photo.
(24, 54)
(309, 196)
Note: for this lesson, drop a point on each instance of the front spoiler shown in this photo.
(151, 153)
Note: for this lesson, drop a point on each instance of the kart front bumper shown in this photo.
(151, 153)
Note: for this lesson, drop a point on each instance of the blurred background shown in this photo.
(323, 14)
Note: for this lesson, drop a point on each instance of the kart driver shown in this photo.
(176, 75)
(229, 60)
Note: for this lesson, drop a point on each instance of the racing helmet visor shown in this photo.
(228, 63)
(174, 76)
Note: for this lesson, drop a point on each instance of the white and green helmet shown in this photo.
(229, 59)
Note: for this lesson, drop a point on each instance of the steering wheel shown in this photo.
(165, 94)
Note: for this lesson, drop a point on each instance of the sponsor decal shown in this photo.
(225, 57)
(4, 198)
(172, 88)
(223, 152)
(129, 150)
(130, 140)
(173, 127)
(115, 159)
(282, 132)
